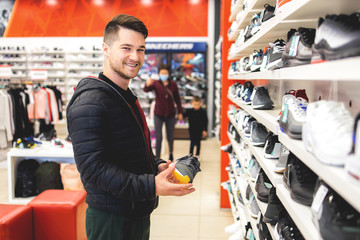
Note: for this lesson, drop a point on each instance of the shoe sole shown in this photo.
(263, 106)
(262, 199)
(272, 221)
(274, 65)
(329, 54)
(300, 199)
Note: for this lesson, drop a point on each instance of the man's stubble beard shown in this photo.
(122, 74)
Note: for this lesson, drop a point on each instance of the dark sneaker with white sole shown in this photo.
(260, 99)
(302, 183)
(258, 134)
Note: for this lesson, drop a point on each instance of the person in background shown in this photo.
(166, 97)
(111, 141)
(198, 122)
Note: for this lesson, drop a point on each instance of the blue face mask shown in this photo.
(164, 77)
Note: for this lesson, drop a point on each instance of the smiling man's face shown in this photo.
(126, 54)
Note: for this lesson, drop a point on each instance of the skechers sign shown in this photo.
(175, 47)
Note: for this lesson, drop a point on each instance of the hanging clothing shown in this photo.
(6, 120)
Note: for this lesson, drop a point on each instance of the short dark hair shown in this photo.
(164, 66)
(196, 99)
(126, 21)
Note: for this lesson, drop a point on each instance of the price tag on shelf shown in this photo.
(38, 74)
(5, 72)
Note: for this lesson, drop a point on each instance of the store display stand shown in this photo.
(334, 80)
(42, 153)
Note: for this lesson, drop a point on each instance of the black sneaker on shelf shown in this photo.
(263, 186)
(261, 99)
(337, 36)
(258, 134)
(273, 208)
(267, 12)
(302, 183)
(334, 217)
(298, 47)
(264, 233)
(272, 147)
(286, 229)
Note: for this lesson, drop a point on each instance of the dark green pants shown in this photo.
(109, 226)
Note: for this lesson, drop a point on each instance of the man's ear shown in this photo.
(106, 49)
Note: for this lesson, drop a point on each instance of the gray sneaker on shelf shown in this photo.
(258, 134)
(253, 206)
(281, 164)
(260, 99)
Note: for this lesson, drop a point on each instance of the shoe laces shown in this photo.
(350, 22)
(307, 36)
(262, 91)
(278, 46)
(303, 173)
(299, 106)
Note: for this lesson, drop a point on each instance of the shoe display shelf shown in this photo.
(17, 59)
(247, 215)
(217, 101)
(294, 14)
(52, 61)
(300, 214)
(244, 211)
(80, 64)
(235, 205)
(252, 6)
(44, 152)
(338, 70)
(235, 9)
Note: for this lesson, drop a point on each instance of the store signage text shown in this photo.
(176, 46)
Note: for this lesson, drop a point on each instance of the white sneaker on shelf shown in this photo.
(328, 132)
(352, 164)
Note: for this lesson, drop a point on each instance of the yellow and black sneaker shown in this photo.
(186, 169)
(22, 143)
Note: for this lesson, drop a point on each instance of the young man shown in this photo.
(198, 122)
(111, 141)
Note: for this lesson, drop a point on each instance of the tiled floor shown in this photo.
(196, 216)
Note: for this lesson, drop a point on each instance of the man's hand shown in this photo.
(165, 187)
(164, 166)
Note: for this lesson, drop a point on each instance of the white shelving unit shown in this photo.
(339, 70)
(17, 59)
(294, 14)
(45, 152)
(301, 214)
(341, 73)
(246, 216)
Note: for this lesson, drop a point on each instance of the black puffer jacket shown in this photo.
(110, 149)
